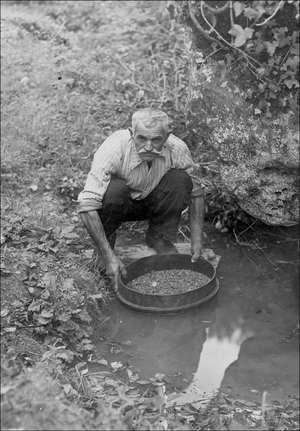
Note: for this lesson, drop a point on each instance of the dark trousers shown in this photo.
(163, 206)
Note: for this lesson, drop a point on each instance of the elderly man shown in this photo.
(143, 172)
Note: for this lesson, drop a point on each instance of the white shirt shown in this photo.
(117, 156)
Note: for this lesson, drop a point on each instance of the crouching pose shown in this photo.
(140, 173)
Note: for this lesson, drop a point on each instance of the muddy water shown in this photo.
(242, 339)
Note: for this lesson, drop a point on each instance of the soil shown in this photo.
(169, 282)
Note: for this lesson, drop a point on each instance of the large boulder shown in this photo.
(259, 160)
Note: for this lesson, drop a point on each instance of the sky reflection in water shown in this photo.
(217, 354)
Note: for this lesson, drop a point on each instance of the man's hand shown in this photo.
(205, 253)
(197, 224)
(114, 267)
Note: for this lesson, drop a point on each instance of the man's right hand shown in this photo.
(115, 267)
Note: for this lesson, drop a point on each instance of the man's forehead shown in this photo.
(143, 129)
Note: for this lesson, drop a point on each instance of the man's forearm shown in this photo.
(197, 220)
(93, 224)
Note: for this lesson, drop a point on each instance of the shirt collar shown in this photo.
(136, 160)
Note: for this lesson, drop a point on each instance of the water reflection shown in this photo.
(168, 344)
(193, 348)
(218, 353)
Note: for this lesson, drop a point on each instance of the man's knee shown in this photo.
(179, 178)
(117, 192)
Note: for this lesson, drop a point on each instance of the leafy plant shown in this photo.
(256, 43)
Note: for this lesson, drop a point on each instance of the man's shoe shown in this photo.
(160, 245)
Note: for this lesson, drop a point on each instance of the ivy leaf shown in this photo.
(68, 284)
(271, 46)
(236, 30)
(47, 313)
(291, 83)
(67, 388)
(212, 18)
(95, 297)
(71, 235)
(261, 71)
(34, 306)
(85, 316)
(64, 316)
(45, 295)
(66, 355)
(282, 101)
(10, 329)
(238, 8)
(293, 62)
(87, 345)
(67, 232)
(295, 49)
(43, 320)
(254, 13)
(240, 34)
(4, 312)
(117, 365)
(49, 280)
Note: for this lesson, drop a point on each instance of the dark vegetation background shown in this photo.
(72, 73)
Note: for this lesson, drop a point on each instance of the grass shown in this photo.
(64, 97)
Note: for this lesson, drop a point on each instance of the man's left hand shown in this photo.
(205, 253)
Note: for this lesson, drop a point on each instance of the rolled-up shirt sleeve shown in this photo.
(105, 164)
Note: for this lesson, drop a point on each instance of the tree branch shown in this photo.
(200, 28)
(271, 16)
(216, 11)
(231, 18)
(220, 37)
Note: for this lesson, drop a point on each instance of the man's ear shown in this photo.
(131, 132)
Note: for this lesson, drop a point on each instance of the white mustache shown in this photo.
(149, 152)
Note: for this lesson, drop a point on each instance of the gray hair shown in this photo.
(150, 117)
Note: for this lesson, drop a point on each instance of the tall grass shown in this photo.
(73, 72)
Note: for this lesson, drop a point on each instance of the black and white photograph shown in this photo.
(150, 215)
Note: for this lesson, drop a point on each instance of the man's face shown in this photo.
(149, 141)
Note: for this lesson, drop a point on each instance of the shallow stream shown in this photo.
(244, 339)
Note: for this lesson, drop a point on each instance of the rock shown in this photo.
(259, 164)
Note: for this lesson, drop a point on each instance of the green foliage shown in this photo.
(58, 311)
(71, 187)
(257, 44)
(224, 211)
